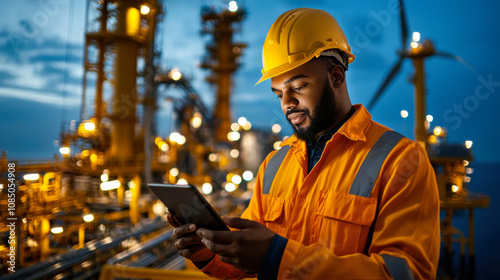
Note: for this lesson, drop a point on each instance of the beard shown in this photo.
(322, 118)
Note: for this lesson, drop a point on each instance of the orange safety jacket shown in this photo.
(369, 209)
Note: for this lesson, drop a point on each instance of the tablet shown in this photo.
(188, 205)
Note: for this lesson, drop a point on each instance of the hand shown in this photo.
(245, 249)
(188, 243)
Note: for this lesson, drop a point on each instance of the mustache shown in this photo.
(305, 111)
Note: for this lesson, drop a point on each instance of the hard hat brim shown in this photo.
(281, 69)
(290, 66)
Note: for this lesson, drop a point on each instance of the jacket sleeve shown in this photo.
(406, 236)
(218, 269)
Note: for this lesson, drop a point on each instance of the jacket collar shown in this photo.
(354, 129)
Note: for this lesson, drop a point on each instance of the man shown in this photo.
(344, 197)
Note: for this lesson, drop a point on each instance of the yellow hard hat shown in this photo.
(299, 35)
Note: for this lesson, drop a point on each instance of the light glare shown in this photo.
(234, 153)
(181, 140)
(31, 177)
(110, 185)
(65, 150)
(56, 230)
(145, 10)
(196, 120)
(104, 177)
(213, 157)
(233, 6)
(242, 121)
(88, 218)
(233, 136)
(206, 188)
(248, 175)
(276, 145)
(437, 131)
(89, 126)
(174, 172)
(247, 126)
(468, 144)
(276, 128)
(235, 127)
(175, 74)
(163, 146)
(230, 187)
(236, 179)
(416, 36)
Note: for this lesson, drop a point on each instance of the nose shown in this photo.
(288, 101)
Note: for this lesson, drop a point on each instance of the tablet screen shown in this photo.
(188, 205)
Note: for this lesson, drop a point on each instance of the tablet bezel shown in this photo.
(188, 197)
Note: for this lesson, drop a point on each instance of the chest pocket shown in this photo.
(274, 213)
(344, 217)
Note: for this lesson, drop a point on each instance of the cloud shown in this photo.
(40, 69)
(5, 76)
(36, 95)
(57, 57)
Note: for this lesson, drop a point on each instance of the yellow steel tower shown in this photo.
(119, 57)
(222, 60)
(117, 37)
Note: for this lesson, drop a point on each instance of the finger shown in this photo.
(183, 230)
(239, 223)
(172, 220)
(217, 248)
(217, 236)
(187, 241)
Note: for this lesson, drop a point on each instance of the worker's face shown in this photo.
(307, 99)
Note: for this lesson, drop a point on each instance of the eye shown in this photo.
(300, 87)
(280, 96)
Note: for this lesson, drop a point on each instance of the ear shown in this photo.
(337, 76)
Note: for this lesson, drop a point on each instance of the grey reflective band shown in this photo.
(367, 173)
(398, 267)
(272, 168)
(370, 168)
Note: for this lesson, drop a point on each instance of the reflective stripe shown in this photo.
(398, 267)
(367, 173)
(272, 168)
(370, 168)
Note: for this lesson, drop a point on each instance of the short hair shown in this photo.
(330, 61)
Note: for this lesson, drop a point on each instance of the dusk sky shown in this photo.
(41, 66)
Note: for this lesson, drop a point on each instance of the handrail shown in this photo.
(109, 272)
(139, 248)
(63, 262)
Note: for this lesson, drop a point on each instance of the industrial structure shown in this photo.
(91, 206)
(449, 160)
(88, 213)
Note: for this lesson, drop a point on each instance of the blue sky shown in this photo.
(41, 52)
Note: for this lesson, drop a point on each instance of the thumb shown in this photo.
(239, 223)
